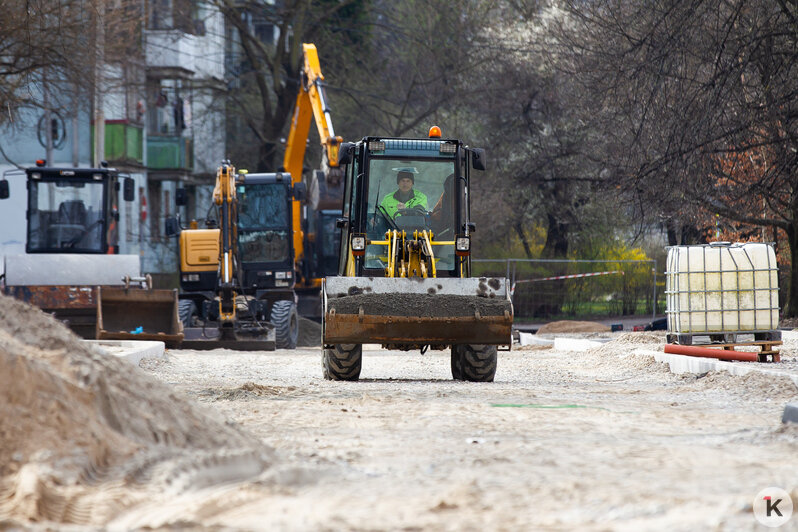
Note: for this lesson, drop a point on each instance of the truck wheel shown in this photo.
(342, 362)
(187, 312)
(286, 324)
(476, 363)
(457, 369)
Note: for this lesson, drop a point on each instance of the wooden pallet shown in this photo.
(766, 341)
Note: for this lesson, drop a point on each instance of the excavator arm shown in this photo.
(224, 196)
(311, 102)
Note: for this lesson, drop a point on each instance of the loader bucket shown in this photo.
(409, 311)
(138, 314)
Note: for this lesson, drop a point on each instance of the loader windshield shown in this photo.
(66, 215)
(410, 195)
(263, 222)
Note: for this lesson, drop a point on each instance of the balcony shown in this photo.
(167, 49)
(169, 153)
(124, 143)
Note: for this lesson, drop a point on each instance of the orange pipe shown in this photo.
(706, 352)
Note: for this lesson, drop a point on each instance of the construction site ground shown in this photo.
(594, 439)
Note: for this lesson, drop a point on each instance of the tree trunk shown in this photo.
(522, 235)
(671, 229)
(266, 158)
(556, 246)
(791, 301)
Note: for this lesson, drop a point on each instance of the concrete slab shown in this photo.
(686, 364)
(578, 344)
(131, 350)
(531, 339)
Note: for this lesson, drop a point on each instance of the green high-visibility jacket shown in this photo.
(391, 202)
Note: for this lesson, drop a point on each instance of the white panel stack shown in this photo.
(722, 288)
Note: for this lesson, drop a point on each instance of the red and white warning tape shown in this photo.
(573, 276)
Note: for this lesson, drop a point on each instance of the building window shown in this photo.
(160, 15)
(169, 109)
(183, 15)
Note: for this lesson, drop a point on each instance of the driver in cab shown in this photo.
(405, 197)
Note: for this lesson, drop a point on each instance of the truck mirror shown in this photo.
(129, 189)
(181, 197)
(171, 226)
(478, 161)
(4, 189)
(300, 191)
(345, 153)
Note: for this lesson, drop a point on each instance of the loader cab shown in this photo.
(74, 210)
(375, 203)
(265, 232)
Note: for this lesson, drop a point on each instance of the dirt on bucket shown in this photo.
(419, 305)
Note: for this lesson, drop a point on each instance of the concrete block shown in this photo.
(525, 338)
(687, 364)
(131, 350)
(790, 413)
(577, 344)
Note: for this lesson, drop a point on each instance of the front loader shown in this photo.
(405, 264)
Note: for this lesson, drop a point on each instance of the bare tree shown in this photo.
(688, 85)
(49, 52)
(391, 68)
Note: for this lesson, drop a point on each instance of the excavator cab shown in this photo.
(238, 272)
(404, 274)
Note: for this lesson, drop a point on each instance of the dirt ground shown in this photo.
(594, 440)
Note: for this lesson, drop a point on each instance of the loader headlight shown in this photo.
(462, 245)
(448, 147)
(376, 145)
(358, 245)
(190, 277)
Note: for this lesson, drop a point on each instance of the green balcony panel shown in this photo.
(169, 153)
(124, 142)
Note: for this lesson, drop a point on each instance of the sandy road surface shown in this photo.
(603, 439)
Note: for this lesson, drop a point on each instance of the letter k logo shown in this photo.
(772, 506)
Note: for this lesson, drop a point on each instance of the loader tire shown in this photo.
(474, 362)
(342, 362)
(187, 312)
(457, 369)
(286, 324)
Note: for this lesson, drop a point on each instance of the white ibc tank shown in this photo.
(722, 288)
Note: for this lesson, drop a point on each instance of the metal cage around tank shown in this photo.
(722, 288)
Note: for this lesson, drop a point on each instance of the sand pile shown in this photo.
(84, 435)
(568, 326)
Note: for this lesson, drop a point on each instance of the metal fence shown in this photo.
(578, 289)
